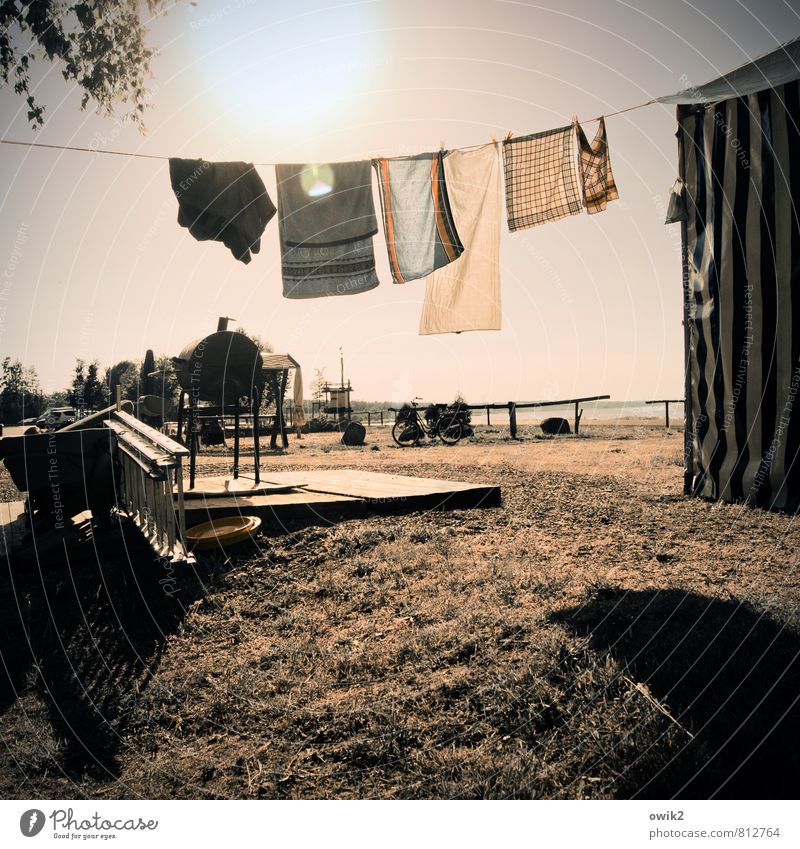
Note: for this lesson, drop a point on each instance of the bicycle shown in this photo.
(410, 429)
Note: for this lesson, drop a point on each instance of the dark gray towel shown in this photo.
(325, 205)
(223, 201)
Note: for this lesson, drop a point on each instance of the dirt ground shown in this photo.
(599, 635)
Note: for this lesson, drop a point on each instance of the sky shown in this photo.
(96, 266)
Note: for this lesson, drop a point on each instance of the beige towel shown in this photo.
(299, 410)
(465, 295)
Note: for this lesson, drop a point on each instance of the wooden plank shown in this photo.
(275, 508)
(363, 484)
(224, 486)
(348, 491)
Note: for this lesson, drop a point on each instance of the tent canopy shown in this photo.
(278, 362)
(769, 71)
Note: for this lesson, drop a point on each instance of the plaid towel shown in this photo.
(541, 184)
(417, 220)
(598, 182)
(223, 201)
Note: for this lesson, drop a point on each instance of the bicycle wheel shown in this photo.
(405, 433)
(450, 430)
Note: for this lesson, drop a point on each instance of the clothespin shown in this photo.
(441, 145)
(508, 137)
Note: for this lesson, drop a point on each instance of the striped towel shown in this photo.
(598, 182)
(326, 221)
(417, 221)
(541, 184)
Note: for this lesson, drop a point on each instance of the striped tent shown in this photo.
(739, 159)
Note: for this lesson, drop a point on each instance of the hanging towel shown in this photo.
(223, 201)
(465, 295)
(326, 221)
(541, 184)
(299, 408)
(326, 204)
(597, 180)
(417, 220)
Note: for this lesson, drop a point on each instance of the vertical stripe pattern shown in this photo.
(741, 163)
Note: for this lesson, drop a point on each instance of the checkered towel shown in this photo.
(598, 182)
(541, 184)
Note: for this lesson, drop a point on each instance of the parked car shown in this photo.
(56, 417)
(27, 422)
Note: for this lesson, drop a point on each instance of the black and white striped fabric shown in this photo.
(740, 162)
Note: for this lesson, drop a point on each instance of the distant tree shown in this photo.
(75, 393)
(263, 345)
(124, 374)
(59, 398)
(88, 392)
(166, 385)
(20, 395)
(318, 384)
(100, 45)
(94, 392)
(148, 366)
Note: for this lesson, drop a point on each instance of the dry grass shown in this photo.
(597, 636)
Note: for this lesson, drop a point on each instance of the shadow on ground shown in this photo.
(727, 673)
(86, 637)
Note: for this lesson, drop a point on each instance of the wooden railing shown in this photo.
(513, 406)
(666, 402)
(149, 462)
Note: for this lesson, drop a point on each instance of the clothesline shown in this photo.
(77, 149)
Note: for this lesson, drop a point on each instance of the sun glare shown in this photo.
(287, 71)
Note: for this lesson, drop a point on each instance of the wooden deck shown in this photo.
(333, 494)
(321, 496)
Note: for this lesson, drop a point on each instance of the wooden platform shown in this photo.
(335, 493)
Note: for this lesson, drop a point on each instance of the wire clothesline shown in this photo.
(260, 164)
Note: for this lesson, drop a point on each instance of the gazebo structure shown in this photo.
(275, 372)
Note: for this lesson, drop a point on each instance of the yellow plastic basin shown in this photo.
(222, 532)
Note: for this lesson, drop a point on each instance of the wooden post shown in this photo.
(236, 440)
(193, 437)
(119, 397)
(279, 408)
(512, 419)
(577, 417)
(381, 416)
(369, 419)
(666, 414)
(181, 406)
(255, 401)
(488, 419)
